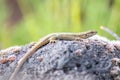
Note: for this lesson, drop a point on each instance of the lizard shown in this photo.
(50, 38)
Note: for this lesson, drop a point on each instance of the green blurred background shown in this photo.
(23, 21)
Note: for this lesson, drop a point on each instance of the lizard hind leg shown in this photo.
(53, 39)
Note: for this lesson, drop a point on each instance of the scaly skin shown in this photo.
(45, 40)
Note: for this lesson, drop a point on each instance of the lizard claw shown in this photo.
(53, 41)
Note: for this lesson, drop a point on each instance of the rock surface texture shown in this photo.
(95, 58)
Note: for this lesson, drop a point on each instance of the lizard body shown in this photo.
(45, 40)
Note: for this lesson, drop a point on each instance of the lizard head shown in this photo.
(90, 33)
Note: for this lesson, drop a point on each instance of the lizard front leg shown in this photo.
(53, 39)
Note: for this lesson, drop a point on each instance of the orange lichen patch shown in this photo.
(109, 48)
(117, 78)
(116, 61)
(3, 60)
(11, 58)
(115, 70)
(2, 53)
(39, 59)
(13, 49)
(116, 44)
(78, 52)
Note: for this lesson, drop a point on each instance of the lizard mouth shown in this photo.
(93, 32)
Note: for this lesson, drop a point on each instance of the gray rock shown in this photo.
(88, 59)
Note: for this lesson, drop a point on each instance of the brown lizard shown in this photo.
(45, 40)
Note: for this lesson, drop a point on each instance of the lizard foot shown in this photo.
(53, 39)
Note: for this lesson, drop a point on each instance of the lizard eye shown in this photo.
(87, 35)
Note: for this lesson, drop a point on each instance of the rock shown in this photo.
(87, 59)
